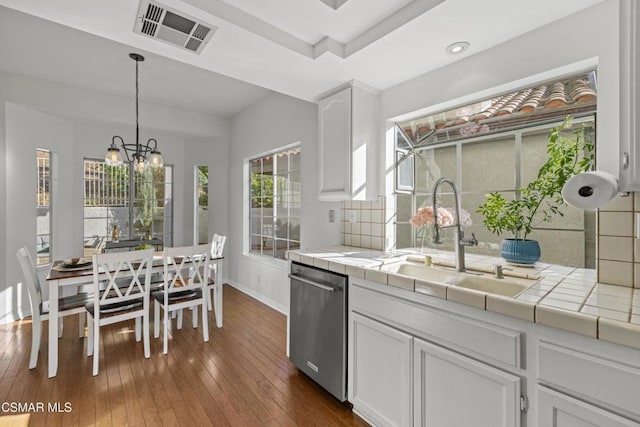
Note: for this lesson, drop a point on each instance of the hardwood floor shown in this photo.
(240, 377)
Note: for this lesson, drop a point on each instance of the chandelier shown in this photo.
(142, 155)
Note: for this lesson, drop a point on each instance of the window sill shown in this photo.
(280, 264)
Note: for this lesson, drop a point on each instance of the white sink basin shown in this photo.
(490, 285)
(418, 271)
(507, 287)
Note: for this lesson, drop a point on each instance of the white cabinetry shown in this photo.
(406, 367)
(559, 410)
(629, 95)
(609, 379)
(454, 390)
(380, 372)
(348, 124)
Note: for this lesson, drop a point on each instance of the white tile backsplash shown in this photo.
(368, 230)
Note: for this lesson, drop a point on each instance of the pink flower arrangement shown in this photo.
(465, 217)
(424, 216)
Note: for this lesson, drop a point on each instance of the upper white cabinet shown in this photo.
(629, 96)
(348, 123)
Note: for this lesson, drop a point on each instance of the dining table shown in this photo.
(62, 277)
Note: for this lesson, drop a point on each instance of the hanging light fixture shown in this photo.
(143, 155)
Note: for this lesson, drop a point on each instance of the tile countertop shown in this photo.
(564, 297)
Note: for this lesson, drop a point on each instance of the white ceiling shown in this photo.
(298, 47)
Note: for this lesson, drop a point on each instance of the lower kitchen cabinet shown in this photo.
(419, 361)
(380, 372)
(559, 410)
(451, 390)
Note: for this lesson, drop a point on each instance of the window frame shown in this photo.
(130, 200)
(418, 196)
(248, 198)
(197, 190)
(47, 182)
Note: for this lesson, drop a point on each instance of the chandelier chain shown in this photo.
(137, 114)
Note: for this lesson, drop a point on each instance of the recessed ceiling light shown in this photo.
(457, 48)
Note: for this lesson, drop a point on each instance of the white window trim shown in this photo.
(246, 208)
(53, 178)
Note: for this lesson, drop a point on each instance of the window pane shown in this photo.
(573, 228)
(403, 207)
(294, 159)
(274, 203)
(489, 165)
(432, 165)
(107, 201)
(404, 171)
(282, 160)
(294, 229)
(43, 207)
(202, 204)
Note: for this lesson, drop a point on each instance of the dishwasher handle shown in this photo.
(312, 283)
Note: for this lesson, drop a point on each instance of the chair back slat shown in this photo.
(184, 267)
(31, 279)
(217, 245)
(122, 274)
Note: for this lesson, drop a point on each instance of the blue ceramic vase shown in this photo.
(520, 251)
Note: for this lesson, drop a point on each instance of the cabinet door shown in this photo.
(335, 146)
(380, 372)
(630, 100)
(559, 410)
(451, 390)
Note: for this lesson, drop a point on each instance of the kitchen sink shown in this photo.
(480, 282)
(490, 285)
(418, 271)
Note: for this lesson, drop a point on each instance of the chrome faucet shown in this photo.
(460, 241)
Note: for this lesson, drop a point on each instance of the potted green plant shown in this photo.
(570, 151)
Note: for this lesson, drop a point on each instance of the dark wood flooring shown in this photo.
(240, 377)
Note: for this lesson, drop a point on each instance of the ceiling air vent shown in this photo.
(160, 22)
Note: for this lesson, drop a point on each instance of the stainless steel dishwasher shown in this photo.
(318, 326)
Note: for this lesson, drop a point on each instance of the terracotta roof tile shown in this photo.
(576, 96)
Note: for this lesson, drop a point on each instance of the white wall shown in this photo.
(275, 121)
(27, 130)
(213, 153)
(75, 123)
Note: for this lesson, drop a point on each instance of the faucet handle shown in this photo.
(471, 241)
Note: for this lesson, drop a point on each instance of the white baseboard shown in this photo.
(255, 295)
(8, 318)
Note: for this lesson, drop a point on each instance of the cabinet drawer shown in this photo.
(482, 340)
(589, 376)
(559, 410)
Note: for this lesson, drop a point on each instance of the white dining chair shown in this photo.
(39, 309)
(185, 284)
(217, 248)
(119, 295)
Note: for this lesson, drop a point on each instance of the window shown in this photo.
(145, 212)
(495, 145)
(201, 222)
(275, 203)
(43, 206)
